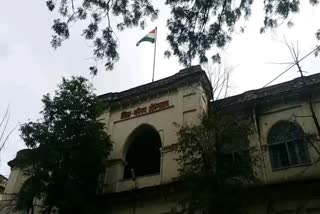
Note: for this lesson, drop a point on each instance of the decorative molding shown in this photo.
(282, 109)
(169, 148)
(115, 161)
(189, 94)
(191, 110)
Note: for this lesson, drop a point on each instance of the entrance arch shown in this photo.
(143, 152)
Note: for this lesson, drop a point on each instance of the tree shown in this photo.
(4, 135)
(219, 77)
(67, 151)
(215, 162)
(194, 26)
(296, 61)
(307, 91)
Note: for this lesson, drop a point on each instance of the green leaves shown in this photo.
(195, 27)
(100, 31)
(68, 149)
(215, 163)
(280, 10)
(50, 5)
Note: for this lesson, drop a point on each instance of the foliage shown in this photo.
(99, 29)
(215, 163)
(67, 150)
(194, 26)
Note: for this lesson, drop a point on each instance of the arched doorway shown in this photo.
(143, 155)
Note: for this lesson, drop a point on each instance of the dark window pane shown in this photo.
(279, 157)
(293, 152)
(303, 152)
(284, 132)
(287, 136)
(298, 152)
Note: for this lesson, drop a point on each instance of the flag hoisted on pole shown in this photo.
(151, 37)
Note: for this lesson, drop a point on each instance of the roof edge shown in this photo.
(158, 84)
(264, 92)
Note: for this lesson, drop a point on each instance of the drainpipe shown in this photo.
(161, 154)
(135, 193)
(257, 129)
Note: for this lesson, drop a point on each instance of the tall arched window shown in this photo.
(143, 155)
(287, 145)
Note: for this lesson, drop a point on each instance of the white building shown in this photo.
(142, 122)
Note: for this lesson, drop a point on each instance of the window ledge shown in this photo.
(139, 182)
(138, 177)
(292, 166)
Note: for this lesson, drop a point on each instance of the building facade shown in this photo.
(3, 183)
(142, 172)
(287, 139)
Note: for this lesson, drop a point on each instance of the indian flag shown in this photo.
(150, 37)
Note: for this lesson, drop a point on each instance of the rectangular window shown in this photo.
(292, 153)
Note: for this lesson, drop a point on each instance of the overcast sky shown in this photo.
(30, 68)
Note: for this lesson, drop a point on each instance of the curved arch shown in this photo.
(142, 152)
(283, 131)
(287, 145)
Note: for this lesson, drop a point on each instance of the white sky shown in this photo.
(30, 68)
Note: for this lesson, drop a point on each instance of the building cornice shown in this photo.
(163, 86)
(260, 96)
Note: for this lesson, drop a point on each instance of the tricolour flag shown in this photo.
(150, 37)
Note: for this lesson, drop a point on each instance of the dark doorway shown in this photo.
(143, 155)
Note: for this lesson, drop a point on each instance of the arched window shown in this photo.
(143, 155)
(287, 145)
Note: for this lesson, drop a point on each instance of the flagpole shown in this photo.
(154, 55)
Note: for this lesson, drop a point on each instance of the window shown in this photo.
(287, 145)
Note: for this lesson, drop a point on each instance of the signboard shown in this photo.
(154, 107)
